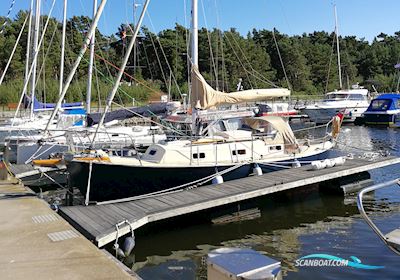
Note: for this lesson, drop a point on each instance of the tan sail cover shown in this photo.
(277, 123)
(205, 97)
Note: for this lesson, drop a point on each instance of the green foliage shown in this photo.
(309, 61)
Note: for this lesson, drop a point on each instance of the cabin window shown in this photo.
(238, 152)
(199, 155)
(232, 124)
(356, 97)
(275, 148)
(380, 104)
(152, 152)
(114, 135)
(336, 96)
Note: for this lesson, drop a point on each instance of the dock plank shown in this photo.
(140, 212)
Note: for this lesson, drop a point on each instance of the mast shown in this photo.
(90, 33)
(338, 47)
(195, 56)
(63, 47)
(35, 50)
(91, 59)
(121, 71)
(28, 43)
(135, 6)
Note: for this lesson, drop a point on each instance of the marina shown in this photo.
(134, 145)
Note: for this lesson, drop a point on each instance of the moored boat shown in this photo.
(383, 110)
(352, 103)
(260, 144)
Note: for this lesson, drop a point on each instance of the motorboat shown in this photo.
(352, 103)
(383, 110)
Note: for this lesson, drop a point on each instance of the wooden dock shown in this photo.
(98, 222)
(36, 243)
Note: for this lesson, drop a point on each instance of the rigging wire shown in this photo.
(108, 79)
(126, 74)
(47, 52)
(147, 60)
(14, 49)
(35, 57)
(165, 57)
(280, 59)
(97, 87)
(240, 61)
(224, 78)
(260, 76)
(330, 64)
(6, 20)
(158, 58)
(210, 45)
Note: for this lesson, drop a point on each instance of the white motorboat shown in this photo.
(351, 103)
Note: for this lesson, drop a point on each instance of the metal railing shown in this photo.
(367, 219)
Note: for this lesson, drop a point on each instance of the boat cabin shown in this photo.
(383, 110)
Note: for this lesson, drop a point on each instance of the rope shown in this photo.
(8, 169)
(108, 79)
(7, 17)
(88, 183)
(126, 74)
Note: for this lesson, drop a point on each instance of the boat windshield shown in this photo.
(357, 97)
(336, 96)
(341, 96)
(380, 104)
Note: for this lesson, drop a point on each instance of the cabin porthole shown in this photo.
(199, 155)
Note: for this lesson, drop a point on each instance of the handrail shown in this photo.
(364, 214)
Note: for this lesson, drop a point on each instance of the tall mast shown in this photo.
(135, 46)
(338, 48)
(111, 96)
(195, 56)
(28, 43)
(35, 50)
(86, 42)
(91, 59)
(63, 47)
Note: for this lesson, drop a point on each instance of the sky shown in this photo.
(360, 18)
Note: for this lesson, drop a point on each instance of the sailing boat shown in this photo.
(233, 148)
(351, 102)
(37, 118)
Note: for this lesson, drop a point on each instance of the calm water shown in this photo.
(291, 226)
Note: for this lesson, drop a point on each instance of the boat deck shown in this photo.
(98, 222)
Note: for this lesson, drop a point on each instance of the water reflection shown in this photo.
(291, 225)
